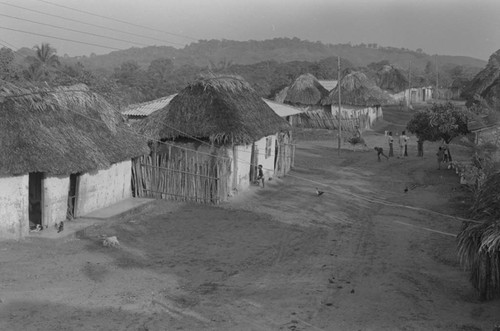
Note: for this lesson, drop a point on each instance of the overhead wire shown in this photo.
(90, 24)
(117, 20)
(60, 38)
(74, 30)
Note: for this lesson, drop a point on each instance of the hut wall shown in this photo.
(14, 207)
(365, 116)
(266, 158)
(55, 200)
(240, 167)
(104, 187)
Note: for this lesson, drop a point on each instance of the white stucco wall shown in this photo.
(103, 188)
(14, 205)
(267, 163)
(55, 200)
(240, 167)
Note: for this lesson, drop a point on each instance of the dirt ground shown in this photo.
(365, 255)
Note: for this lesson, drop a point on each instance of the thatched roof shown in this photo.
(357, 90)
(486, 83)
(391, 79)
(223, 109)
(60, 131)
(479, 243)
(306, 90)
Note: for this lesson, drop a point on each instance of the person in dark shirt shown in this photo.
(380, 151)
(260, 175)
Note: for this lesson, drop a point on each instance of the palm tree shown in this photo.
(45, 61)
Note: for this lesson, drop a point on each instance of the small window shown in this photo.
(269, 142)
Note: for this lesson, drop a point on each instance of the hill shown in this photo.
(206, 53)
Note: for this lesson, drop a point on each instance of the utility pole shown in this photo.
(409, 85)
(437, 75)
(340, 111)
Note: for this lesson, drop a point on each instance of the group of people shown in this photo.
(403, 140)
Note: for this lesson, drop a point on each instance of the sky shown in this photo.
(445, 27)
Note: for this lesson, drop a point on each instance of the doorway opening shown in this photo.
(74, 180)
(35, 200)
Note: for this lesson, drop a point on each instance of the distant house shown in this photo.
(65, 152)
(415, 95)
(215, 133)
(306, 92)
(139, 111)
(391, 79)
(361, 101)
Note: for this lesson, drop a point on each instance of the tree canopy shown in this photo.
(442, 121)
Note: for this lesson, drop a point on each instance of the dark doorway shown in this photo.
(72, 195)
(35, 199)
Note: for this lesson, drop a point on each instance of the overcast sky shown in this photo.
(451, 27)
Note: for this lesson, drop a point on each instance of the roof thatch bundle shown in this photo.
(357, 90)
(306, 90)
(479, 251)
(222, 109)
(479, 244)
(486, 83)
(391, 79)
(60, 131)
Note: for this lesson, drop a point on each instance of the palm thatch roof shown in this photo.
(357, 90)
(391, 79)
(60, 131)
(479, 243)
(306, 90)
(222, 109)
(486, 83)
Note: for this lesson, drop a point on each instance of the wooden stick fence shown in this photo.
(180, 174)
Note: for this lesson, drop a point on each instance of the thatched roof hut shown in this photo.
(60, 131)
(357, 90)
(391, 79)
(479, 243)
(221, 109)
(486, 83)
(306, 90)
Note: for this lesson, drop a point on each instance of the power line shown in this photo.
(59, 38)
(117, 20)
(78, 31)
(90, 24)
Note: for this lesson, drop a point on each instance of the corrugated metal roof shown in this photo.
(328, 84)
(281, 109)
(147, 108)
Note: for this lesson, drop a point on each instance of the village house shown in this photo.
(305, 92)
(65, 152)
(214, 132)
(361, 101)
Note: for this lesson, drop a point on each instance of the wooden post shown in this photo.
(340, 108)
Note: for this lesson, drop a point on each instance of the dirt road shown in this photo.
(365, 255)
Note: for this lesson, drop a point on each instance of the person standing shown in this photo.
(390, 140)
(260, 176)
(405, 142)
(400, 143)
(440, 157)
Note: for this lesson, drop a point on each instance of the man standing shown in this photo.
(405, 142)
